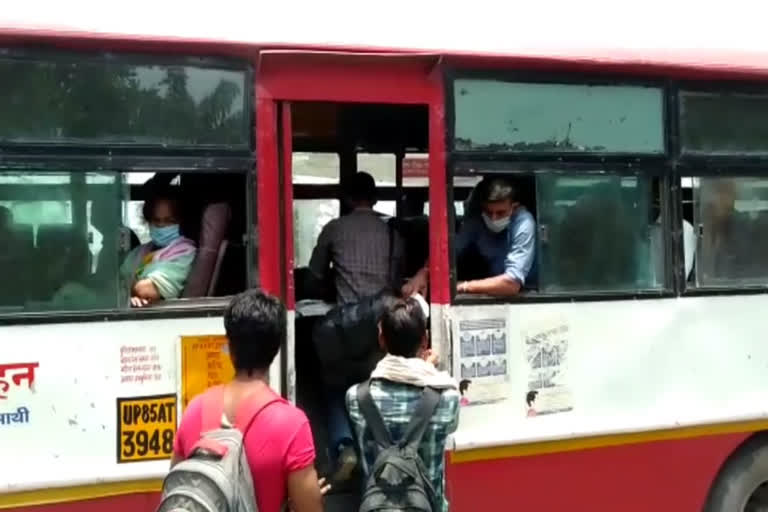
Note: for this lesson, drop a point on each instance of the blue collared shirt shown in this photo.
(510, 252)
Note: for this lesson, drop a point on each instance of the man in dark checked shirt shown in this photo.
(355, 247)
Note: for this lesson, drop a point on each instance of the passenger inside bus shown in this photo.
(498, 243)
(733, 222)
(158, 270)
(361, 252)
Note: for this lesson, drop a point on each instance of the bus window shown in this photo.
(723, 123)
(731, 219)
(214, 219)
(53, 238)
(514, 117)
(70, 236)
(593, 233)
(379, 165)
(118, 100)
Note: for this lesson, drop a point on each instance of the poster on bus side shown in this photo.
(205, 363)
(483, 360)
(546, 345)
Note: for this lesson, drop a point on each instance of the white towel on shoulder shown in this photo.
(413, 371)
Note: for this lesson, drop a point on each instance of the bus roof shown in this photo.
(654, 33)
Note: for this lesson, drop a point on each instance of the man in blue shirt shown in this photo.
(504, 236)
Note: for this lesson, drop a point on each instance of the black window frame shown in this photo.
(661, 165)
(47, 53)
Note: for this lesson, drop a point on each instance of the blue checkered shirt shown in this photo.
(397, 402)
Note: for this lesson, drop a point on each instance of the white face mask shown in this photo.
(498, 225)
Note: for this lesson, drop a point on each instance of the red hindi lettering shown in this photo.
(28, 372)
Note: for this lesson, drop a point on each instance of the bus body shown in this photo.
(624, 380)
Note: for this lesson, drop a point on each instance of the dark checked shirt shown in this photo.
(397, 403)
(357, 245)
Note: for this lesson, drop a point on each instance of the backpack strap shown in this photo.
(250, 407)
(416, 428)
(372, 415)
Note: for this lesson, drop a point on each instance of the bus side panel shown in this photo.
(143, 502)
(663, 475)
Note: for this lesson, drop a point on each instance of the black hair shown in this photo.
(403, 326)
(158, 194)
(530, 397)
(360, 187)
(464, 385)
(256, 328)
(499, 189)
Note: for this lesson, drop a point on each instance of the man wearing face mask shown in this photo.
(158, 270)
(504, 236)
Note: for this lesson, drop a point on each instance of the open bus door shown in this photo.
(349, 113)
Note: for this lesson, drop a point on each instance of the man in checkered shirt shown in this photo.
(397, 387)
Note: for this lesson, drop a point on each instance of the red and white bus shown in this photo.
(633, 377)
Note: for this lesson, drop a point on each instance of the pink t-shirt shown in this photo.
(278, 443)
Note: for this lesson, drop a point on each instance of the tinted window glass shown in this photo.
(723, 122)
(732, 219)
(112, 101)
(594, 233)
(60, 235)
(493, 115)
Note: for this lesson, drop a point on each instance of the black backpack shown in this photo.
(398, 480)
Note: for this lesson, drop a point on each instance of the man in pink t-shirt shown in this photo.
(279, 444)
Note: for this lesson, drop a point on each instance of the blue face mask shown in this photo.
(163, 236)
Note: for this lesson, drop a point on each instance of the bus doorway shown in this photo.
(330, 144)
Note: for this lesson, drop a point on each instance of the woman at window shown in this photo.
(158, 270)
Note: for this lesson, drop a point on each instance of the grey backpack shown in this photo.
(398, 481)
(215, 477)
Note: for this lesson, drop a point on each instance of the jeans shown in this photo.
(339, 429)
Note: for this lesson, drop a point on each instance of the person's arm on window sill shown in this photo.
(497, 286)
(143, 293)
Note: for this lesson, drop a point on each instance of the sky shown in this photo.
(657, 28)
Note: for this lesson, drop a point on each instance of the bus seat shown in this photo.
(210, 251)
